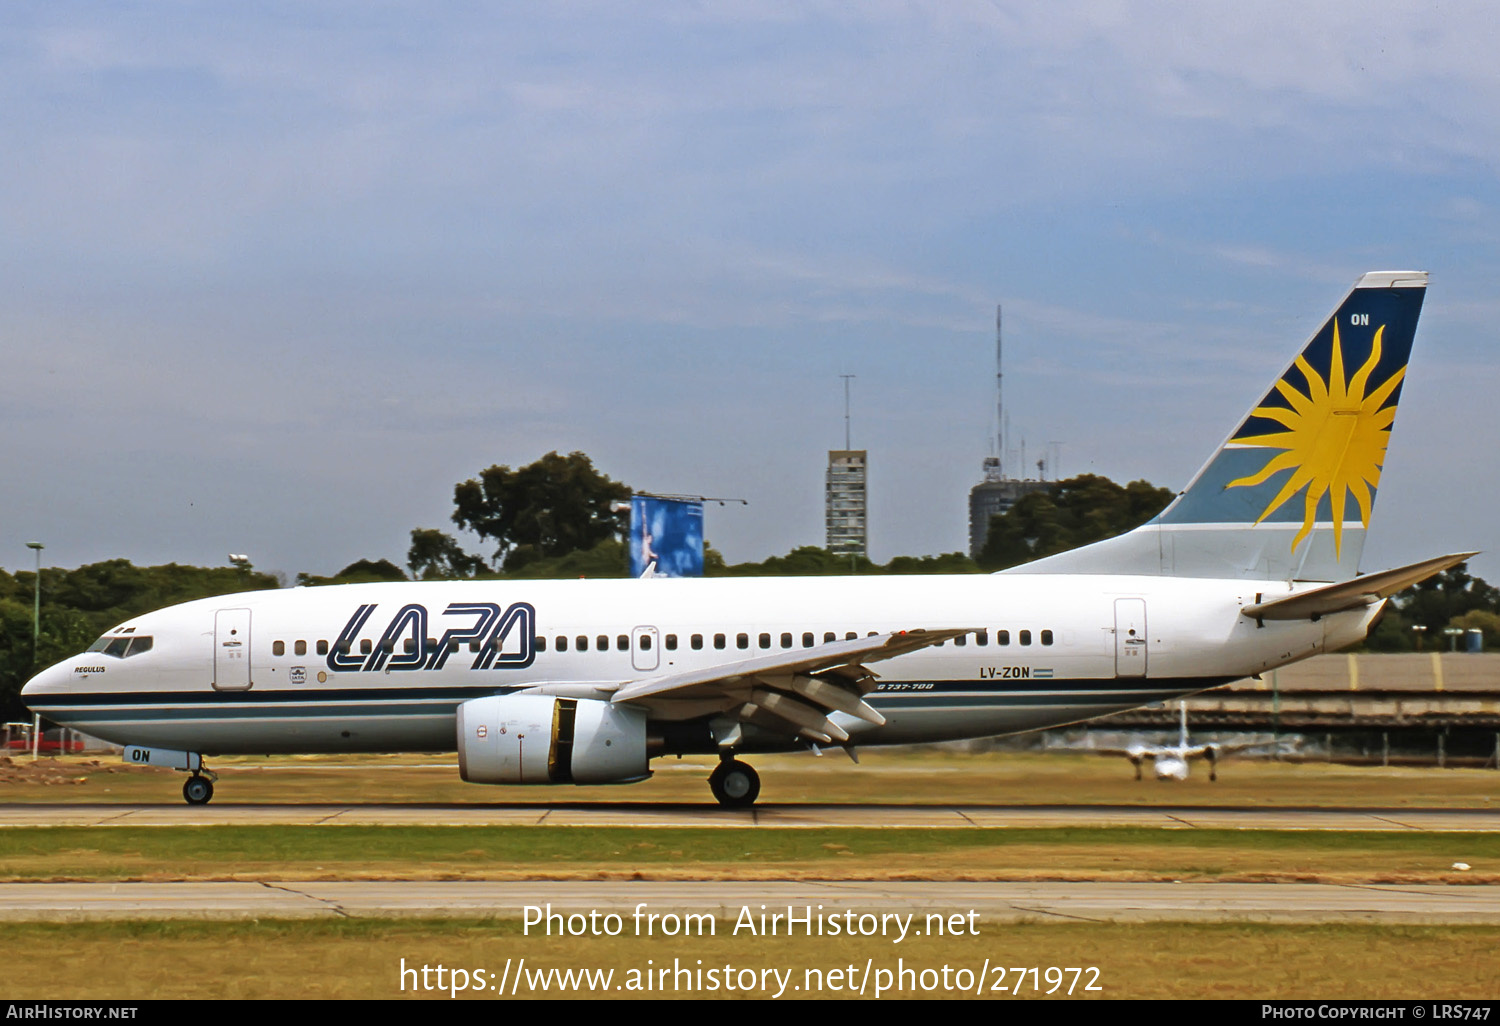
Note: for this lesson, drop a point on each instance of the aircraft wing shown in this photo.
(1364, 590)
(792, 691)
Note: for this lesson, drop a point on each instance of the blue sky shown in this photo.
(278, 276)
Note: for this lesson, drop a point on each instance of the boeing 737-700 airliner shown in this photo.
(1252, 566)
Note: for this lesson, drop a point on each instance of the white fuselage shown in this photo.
(382, 667)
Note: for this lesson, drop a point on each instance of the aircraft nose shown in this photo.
(49, 681)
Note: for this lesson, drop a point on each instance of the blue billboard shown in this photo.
(666, 537)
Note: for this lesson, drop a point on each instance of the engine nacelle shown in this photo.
(543, 739)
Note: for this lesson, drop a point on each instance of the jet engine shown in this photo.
(543, 739)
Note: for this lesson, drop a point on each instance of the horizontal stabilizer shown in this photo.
(1362, 591)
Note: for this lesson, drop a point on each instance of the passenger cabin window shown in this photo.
(765, 640)
(1025, 637)
(1046, 637)
(645, 642)
(409, 646)
(829, 636)
(366, 646)
(962, 639)
(583, 642)
(541, 644)
(982, 638)
(786, 639)
(671, 642)
(719, 641)
(807, 639)
(696, 641)
(300, 648)
(852, 635)
(322, 647)
(562, 642)
(1002, 637)
(278, 648)
(602, 642)
(742, 640)
(622, 642)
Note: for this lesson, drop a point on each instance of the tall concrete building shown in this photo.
(847, 501)
(990, 498)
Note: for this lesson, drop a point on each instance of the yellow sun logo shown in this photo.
(1334, 441)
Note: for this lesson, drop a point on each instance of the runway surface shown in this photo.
(645, 814)
(993, 902)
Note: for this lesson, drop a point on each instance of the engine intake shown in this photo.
(542, 739)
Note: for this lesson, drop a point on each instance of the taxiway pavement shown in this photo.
(999, 902)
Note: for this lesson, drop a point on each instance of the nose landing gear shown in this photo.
(198, 789)
(735, 784)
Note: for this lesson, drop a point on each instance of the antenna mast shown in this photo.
(999, 396)
(994, 466)
(846, 378)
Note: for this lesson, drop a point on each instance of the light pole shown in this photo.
(36, 604)
(36, 634)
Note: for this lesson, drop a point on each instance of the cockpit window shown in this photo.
(122, 647)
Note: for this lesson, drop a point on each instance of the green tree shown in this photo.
(1437, 601)
(437, 556)
(947, 563)
(1069, 513)
(1486, 622)
(804, 561)
(606, 559)
(546, 509)
(363, 571)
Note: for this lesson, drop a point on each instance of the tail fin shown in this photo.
(1289, 494)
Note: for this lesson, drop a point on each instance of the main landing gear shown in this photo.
(734, 784)
(198, 789)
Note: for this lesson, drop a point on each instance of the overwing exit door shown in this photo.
(643, 652)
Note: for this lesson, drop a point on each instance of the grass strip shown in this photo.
(429, 852)
(363, 959)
